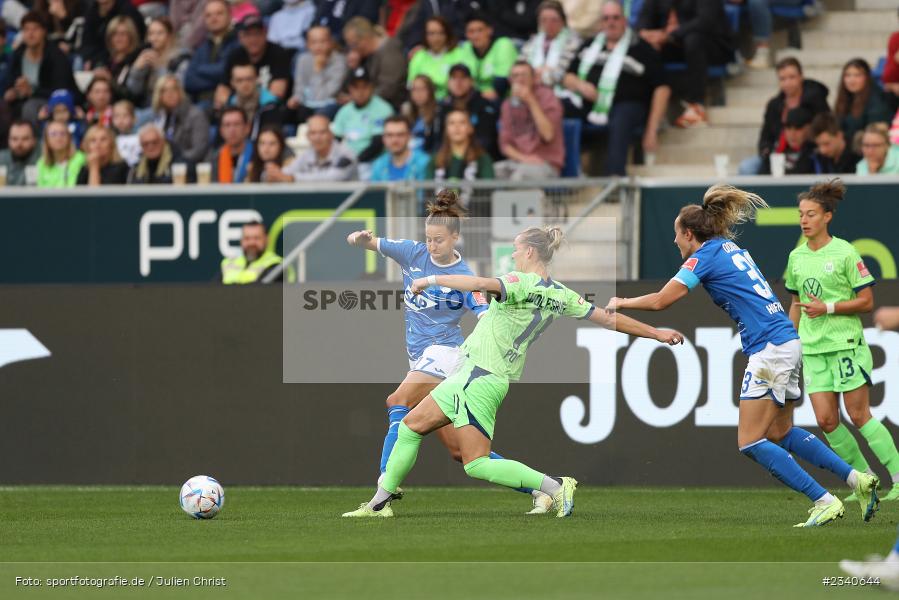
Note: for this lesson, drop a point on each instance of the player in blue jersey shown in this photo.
(765, 433)
(433, 334)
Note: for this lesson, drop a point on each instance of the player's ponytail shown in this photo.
(446, 210)
(827, 194)
(723, 207)
(545, 240)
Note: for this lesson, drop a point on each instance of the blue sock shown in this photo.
(779, 462)
(395, 414)
(495, 456)
(809, 448)
(896, 546)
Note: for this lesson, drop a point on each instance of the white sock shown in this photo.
(852, 480)
(380, 499)
(827, 498)
(536, 493)
(892, 557)
(549, 485)
(894, 477)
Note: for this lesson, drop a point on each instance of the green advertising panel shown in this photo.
(867, 218)
(138, 234)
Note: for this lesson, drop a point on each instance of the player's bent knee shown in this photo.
(396, 399)
(828, 422)
(477, 468)
(859, 417)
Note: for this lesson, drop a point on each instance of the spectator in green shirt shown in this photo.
(880, 158)
(438, 55)
(490, 59)
(60, 161)
(460, 157)
(360, 123)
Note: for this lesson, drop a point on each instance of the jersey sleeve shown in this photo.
(694, 270)
(476, 302)
(399, 250)
(857, 273)
(514, 287)
(790, 281)
(576, 306)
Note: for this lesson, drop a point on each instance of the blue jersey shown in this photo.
(433, 316)
(736, 285)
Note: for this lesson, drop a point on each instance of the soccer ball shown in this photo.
(202, 497)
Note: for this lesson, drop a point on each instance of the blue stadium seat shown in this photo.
(571, 132)
(636, 5)
(877, 71)
(733, 16)
(793, 14)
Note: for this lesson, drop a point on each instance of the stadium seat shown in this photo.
(636, 5)
(877, 71)
(792, 14)
(571, 132)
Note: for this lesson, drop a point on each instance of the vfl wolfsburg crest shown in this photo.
(812, 287)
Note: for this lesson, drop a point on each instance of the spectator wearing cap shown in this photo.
(463, 96)
(437, 55)
(318, 77)
(860, 101)
(271, 60)
(22, 151)
(360, 122)
(260, 105)
(157, 157)
(530, 129)
(37, 69)
(96, 22)
(326, 159)
(617, 80)
(185, 126)
(288, 26)
(551, 50)
(231, 160)
(381, 56)
(833, 154)
(514, 20)
(61, 109)
(60, 161)
(692, 31)
(795, 91)
(207, 65)
(400, 162)
(336, 14)
(489, 58)
(797, 144)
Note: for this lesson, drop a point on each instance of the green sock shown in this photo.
(509, 473)
(402, 459)
(881, 443)
(844, 444)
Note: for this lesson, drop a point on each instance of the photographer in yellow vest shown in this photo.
(256, 259)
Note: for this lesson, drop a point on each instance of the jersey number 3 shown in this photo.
(745, 264)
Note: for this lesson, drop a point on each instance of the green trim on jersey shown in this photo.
(833, 273)
(526, 307)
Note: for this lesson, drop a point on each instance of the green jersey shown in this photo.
(526, 307)
(833, 273)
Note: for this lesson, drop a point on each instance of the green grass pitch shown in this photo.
(444, 543)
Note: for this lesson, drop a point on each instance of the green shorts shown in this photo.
(841, 371)
(472, 396)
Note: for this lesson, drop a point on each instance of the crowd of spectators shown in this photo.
(101, 92)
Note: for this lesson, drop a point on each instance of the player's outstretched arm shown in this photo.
(463, 283)
(672, 292)
(625, 324)
(363, 239)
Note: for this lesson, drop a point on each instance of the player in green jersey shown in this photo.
(831, 286)
(527, 302)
